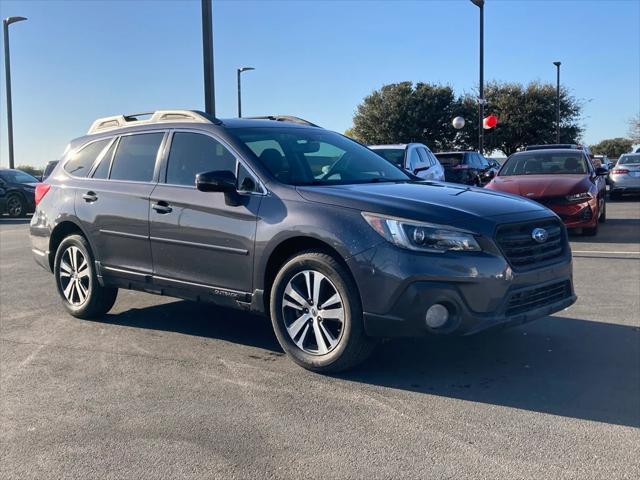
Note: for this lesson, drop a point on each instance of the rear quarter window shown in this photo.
(80, 163)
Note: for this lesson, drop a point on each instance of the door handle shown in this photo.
(162, 207)
(90, 197)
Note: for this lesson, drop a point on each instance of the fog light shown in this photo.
(437, 315)
(586, 213)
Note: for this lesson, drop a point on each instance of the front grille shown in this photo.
(533, 298)
(522, 251)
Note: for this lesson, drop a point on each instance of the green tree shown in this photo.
(36, 172)
(634, 129)
(351, 134)
(403, 113)
(613, 147)
(526, 116)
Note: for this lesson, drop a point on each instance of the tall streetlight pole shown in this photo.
(557, 64)
(7, 69)
(207, 59)
(240, 70)
(480, 5)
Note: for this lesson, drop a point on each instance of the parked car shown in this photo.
(413, 157)
(563, 180)
(625, 176)
(469, 168)
(337, 245)
(48, 169)
(17, 190)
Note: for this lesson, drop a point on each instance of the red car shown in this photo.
(563, 180)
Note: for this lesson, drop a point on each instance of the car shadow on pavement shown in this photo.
(201, 320)
(615, 230)
(557, 365)
(14, 221)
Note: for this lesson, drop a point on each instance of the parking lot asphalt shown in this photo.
(165, 388)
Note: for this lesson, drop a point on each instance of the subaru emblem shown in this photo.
(540, 235)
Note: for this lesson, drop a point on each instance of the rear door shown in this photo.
(203, 239)
(114, 204)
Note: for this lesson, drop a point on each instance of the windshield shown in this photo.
(17, 176)
(394, 155)
(545, 163)
(628, 159)
(450, 159)
(305, 156)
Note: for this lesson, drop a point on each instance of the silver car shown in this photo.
(625, 176)
(413, 157)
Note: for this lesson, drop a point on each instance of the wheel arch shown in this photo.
(290, 247)
(61, 231)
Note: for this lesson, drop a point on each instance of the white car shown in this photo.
(625, 176)
(415, 158)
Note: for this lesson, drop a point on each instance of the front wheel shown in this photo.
(316, 314)
(78, 286)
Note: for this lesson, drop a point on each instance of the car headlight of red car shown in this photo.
(579, 197)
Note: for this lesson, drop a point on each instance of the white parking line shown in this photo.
(604, 252)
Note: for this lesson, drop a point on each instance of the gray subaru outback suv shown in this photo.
(338, 246)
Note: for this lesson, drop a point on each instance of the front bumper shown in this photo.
(577, 215)
(480, 290)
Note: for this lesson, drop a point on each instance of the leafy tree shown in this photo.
(526, 116)
(613, 147)
(350, 133)
(634, 129)
(36, 172)
(403, 113)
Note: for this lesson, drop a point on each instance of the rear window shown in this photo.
(394, 155)
(628, 159)
(81, 162)
(135, 158)
(450, 159)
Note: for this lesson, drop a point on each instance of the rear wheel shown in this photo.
(16, 206)
(316, 314)
(78, 286)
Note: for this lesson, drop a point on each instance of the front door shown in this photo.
(203, 239)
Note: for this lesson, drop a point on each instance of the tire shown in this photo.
(319, 344)
(16, 206)
(603, 214)
(78, 286)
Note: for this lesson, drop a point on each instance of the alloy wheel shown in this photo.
(313, 312)
(14, 207)
(74, 276)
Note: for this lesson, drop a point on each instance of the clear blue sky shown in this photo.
(74, 61)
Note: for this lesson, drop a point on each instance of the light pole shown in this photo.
(480, 5)
(7, 69)
(557, 64)
(240, 70)
(207, 59)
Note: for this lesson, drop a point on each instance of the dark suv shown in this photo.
(469, 168)
(337, 245)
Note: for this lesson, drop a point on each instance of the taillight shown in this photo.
(620, 171)
(41, 191)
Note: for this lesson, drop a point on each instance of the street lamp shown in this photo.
(207, 59)
(480, 5)
(7, 69)
(557, 64)
(240, 70)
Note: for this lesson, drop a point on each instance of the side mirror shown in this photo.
(421, 167)
(216, 181)
(600, 171)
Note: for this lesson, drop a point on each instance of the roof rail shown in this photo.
(120, 121)
(286, 118)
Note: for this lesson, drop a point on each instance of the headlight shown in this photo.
(578, 197)
(423, 237)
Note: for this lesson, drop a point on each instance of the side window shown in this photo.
(81, 162)
(472, 161)
(484, 163)
(102, 170)
(135, 158)
(414, 159)
(193, 153)
(246, 181)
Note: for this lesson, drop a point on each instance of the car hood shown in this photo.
(435, 202)
(540, 186)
